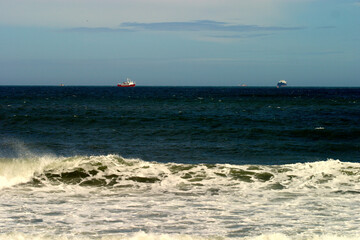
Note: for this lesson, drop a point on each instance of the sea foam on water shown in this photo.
(112, 196)
(149, 236)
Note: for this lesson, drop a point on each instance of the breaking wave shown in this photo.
(111, 197)
(116, 172)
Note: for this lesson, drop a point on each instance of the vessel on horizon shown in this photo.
(281, 83)
(127, 83)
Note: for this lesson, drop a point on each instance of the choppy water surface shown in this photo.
(179, 163)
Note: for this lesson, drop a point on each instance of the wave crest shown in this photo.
(117, 172)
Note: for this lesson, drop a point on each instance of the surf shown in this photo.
(153, 236)
(115, 197)
(116, 172)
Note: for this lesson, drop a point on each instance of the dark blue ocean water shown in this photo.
(237, 125)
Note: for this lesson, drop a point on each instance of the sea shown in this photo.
(182, 163)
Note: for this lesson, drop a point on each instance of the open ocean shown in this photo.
(179, 163)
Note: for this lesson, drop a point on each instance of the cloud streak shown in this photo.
(190, 26)
(97, 29)
(242, 36)
(202, 25)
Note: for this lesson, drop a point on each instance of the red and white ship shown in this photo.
(127, 83)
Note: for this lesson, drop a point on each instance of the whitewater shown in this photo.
(111, 197)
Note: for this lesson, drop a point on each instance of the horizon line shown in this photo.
(228, 86)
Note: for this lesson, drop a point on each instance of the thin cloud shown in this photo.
(242, 36)
(201, 25)
(97, 29)
(190, 26)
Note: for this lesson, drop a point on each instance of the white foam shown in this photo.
(277, 236)
(16, 171)
(330, 175)
(153, 236)
(183, 202)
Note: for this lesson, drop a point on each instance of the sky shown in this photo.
(180, 42)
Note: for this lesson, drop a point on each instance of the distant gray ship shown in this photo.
(281, 83)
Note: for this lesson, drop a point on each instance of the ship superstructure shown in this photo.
(281, 83)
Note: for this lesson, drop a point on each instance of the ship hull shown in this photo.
(131, 85)
(281, 85)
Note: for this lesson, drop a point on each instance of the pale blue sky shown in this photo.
(180, 42)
